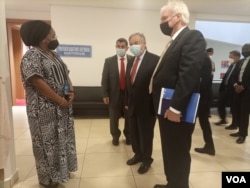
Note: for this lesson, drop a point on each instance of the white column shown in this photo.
(10, 170)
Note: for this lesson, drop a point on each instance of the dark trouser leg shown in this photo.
(176, 143)
(204, 122)
(146, 135)
(126, 130)
(134, 135)
(236, 108)
(222, 105)
(230, 102)
(207, 132)
(244, 109)
(114, 115)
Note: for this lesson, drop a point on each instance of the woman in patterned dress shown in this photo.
(49, 96)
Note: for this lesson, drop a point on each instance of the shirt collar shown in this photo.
(142, 55)
(118, 57)
(178, 32)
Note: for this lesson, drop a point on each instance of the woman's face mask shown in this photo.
(53, 44)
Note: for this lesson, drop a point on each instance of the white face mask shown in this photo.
(135, 49)
(120, 52)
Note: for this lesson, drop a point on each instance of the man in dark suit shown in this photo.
(179, 69)
(204, 106)
(140, 103)
(241, 101)
(113, 88)
(227, 90)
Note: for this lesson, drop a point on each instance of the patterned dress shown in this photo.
(51, 126)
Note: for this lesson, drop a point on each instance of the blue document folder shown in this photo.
(189, 115)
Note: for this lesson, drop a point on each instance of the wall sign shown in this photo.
(74, 50)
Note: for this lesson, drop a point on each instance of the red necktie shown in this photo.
(122, 74)
(133, 71)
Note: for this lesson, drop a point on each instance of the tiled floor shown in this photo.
(104, 165)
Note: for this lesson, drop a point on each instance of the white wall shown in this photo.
(222, 49)
(100, 28)
(26, 15)
(221, 53)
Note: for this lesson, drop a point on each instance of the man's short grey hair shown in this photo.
(178, 7)
(143, 39)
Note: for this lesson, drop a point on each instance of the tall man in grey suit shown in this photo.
(179, 69)
(113, 88)
(140, 103)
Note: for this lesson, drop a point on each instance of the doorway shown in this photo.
(16, 49)
(15, 54)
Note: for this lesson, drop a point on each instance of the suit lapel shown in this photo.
(173, 44)
(141, 67)
(130, 61)
(116, 67)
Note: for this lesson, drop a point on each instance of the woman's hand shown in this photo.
(63, 103)
(71, 97)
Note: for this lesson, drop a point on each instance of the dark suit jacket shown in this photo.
(205, 89)
(180, 68)
(230, 81)
(139, 99)
(246, 75)
(111, 79)
(206, 76)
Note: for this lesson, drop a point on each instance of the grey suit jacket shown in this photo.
(111, 79)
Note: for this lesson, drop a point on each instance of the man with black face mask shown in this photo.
(179, 69)
(241, 102)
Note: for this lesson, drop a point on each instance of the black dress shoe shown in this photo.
(231, 127)
(235, 134)
(115, 141)
(221, 122)
(160, 186)
(134, 160)
(144, 168)
(205, 151)
(241, 140)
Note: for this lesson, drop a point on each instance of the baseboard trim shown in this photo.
(9, 183)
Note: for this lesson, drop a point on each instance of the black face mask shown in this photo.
(53, 44)
(165, 29)
(246, 53)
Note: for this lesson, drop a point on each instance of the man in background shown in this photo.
(204, 107)
(226, 91)
(210, 53)
(241, 108)
(113, 89)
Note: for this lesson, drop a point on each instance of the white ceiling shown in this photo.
(225, 7)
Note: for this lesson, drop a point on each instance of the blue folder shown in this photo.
(189, 115)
